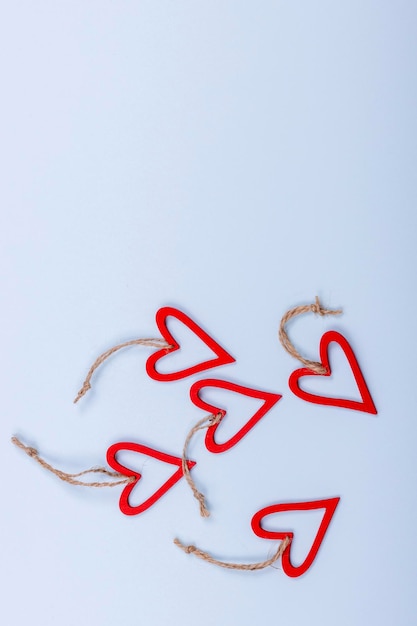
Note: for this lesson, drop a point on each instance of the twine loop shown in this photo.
(316, 308)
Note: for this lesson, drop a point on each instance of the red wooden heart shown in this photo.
(329, 505)
(124, 505)
(366, 405)
(222, 357)
(269, 400)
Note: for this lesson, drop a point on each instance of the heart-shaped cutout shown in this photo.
(366, 405)
(269, 400)
(124, 505)
(222, 357)
(329, 507)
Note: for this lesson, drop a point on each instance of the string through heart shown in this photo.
(154, 343)
(251, 567)
(206, 422)
(315, 366)
(72, 478)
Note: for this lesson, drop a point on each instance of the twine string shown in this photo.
(154, 343)
(206, 422)
(251, 567)
(315, 366)
(72, 478)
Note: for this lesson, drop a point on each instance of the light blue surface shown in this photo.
(232, 159)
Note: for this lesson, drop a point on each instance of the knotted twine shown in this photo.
(249, 567)
(154, 343)
(72, 478)
(315, 366)
(206, 422)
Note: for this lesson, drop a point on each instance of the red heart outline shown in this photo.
(270, 399)
(367, 405)
(222, 357)
(124, 505)
(329, 505)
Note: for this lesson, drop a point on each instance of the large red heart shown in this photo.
(366, 405)
(222, 357)
(329, 506)
(124, 505)
(269, 400)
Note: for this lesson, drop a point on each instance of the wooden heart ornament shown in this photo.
(366, 404)
(269, 400)
(124, 504)
(329, 507)
(221, 356)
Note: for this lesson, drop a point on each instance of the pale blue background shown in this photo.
(233, 159)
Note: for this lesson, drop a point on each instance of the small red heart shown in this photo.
(329, 506)
(366, 405)
(269, 400)
(124, 505)
(222, 357)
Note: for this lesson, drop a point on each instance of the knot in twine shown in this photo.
(319, 310)
(316, 308)
(86, 387)
(29, 451)
(206, 422)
